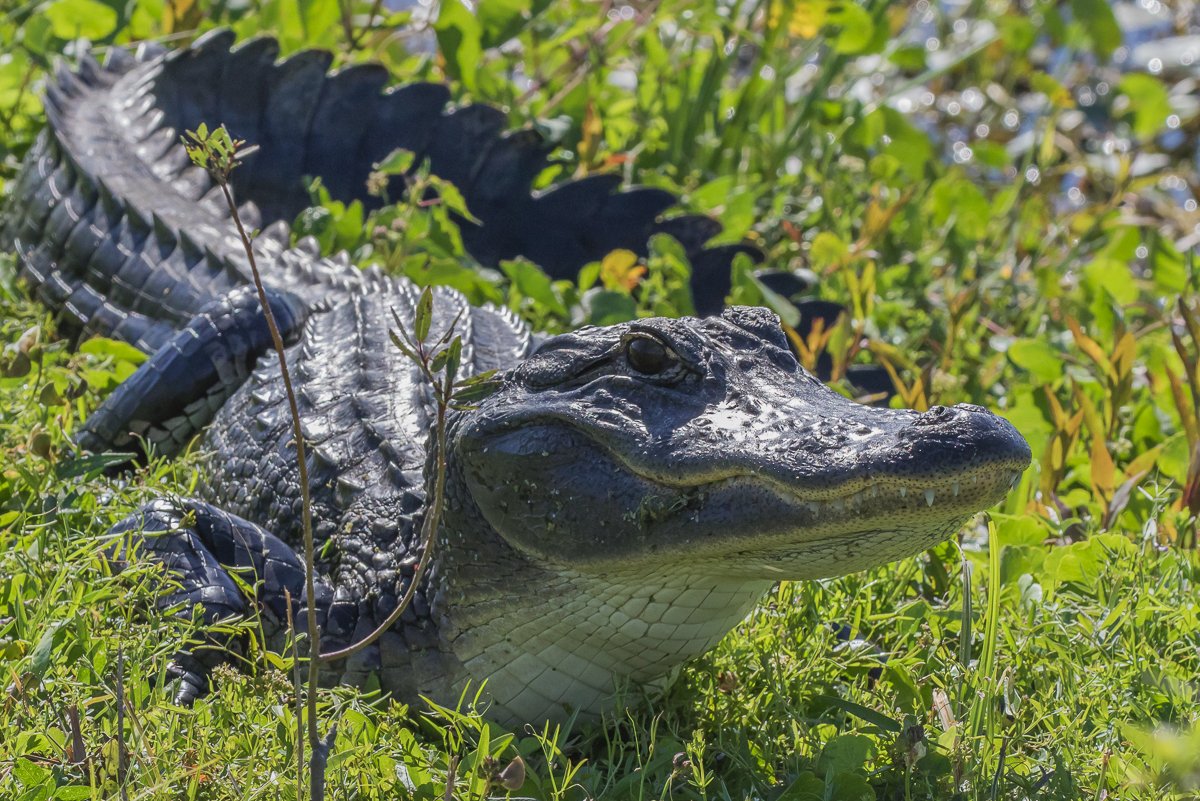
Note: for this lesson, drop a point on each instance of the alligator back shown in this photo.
(122, 236)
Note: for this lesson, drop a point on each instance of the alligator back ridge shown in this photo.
(122, 236)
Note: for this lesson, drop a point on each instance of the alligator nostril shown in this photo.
(940, 415)
(935, 415)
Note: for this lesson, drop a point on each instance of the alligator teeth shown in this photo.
(903, 492)
(954, 489)
(929, 497)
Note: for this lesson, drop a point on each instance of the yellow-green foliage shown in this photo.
(1045, 272)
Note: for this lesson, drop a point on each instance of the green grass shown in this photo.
(1055, 658)
(1092, 645)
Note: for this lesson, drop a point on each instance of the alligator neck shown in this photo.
(540, 633)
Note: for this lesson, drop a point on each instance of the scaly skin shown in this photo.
(619, 504)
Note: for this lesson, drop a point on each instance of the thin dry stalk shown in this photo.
(316, 784)
(219, 154)
(297, 687)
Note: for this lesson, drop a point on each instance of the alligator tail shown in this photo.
(120, 235)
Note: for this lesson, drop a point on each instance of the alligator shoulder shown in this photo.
(612, 510)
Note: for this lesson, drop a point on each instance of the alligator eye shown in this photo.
(649, 356)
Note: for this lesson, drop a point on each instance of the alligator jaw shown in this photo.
(729, 459)
(796, 537)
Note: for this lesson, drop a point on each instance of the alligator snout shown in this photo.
(964, 433)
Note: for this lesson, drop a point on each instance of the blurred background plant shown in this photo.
(1003, 198)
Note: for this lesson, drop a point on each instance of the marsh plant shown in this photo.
(1000, 195)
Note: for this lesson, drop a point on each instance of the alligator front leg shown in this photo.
(179, 388)
(203, 548)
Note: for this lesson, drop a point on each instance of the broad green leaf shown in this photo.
(828, 250)
(991, 154)
(319, 223)
(453, 360)
(777, 303)
(1175, 457)
(848, 786)
(1096, 17)
(1030, 418)
(1149, 103)
(39, 657)
(1168, 266)
(30, 774)
(1021, 560)
(856, 29)
(531, 282)
(954, 197)
(38, 33)
(501, 20)
(121, 351)
(476, 392)
(459, 40)
(1039, 357)
(1083, 562)
(846, 753)
(88, 19)
(1019, 530)
(452, 198)
(349, 227)
(746, 289)
(910, 146)
(1111, 277)
(731, 202)
(424, 315)
(317, 17)
(1017, 32)
(910, 58)
(608, 308)
(805, 787)
(398, 162)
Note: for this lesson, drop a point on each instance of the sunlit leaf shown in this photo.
(856, 29)
(398, 162)
(423, 316)
(89, 19)
(1038, 357)
(620, 271)
(1096, 17)
(459, 41)
(531, 282)
(1147, 103)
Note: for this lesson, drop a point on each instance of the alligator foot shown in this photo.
(204, 548)
(178, 389)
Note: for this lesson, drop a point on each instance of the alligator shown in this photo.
(619, 503)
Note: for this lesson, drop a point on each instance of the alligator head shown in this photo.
(700, 449)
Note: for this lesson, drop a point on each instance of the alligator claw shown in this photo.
(193, 679)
